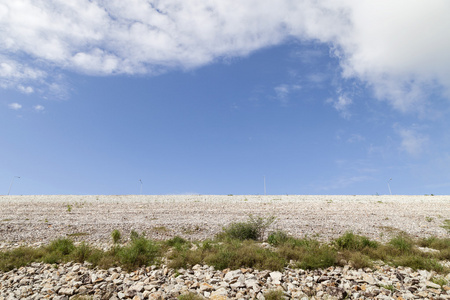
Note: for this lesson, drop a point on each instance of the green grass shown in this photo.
(116, 236)
(234, 251)
(446, 225)
(274, 295)
(190, 296)
(253, 229)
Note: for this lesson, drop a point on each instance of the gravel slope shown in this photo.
(36, 219)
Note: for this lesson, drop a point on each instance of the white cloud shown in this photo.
(38, 108)
(412, 142)
(399, 48)
(341, 105)
(15, 106)
(282, 91)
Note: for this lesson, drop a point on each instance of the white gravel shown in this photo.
(31, 219)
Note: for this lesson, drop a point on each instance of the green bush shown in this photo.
(176, 242)
(277, 238)
(19, 257)
(402, 242)
(253, 229)
(350, 241)
(190, 296)
(116, 236)
(81, 253)
(61, 246)
(140, 252)
(274, 295)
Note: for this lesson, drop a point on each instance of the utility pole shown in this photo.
(12, 181)
(140, 191)
(389, 187)
(264, 185)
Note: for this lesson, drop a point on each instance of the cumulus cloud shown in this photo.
(15, 106)
(398, 48)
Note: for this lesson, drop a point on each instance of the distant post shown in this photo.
(12, 181)
(264, 185)
(389, 187)
(140, 190)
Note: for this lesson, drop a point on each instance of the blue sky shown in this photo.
(200, 97)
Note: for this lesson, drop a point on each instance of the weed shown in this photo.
(418, 262)
(274, 295)
(61, 246)
(19, 257)
(69, 207)
(160, 229)
(190, 296)
(277, 238)
(81, 253)
(116, 236)
(253, 229)
(429, 219)
(439, 280)
(140, 252)
(402, 242)
(6, 220)
(236, 254)
(389, 287)
(356, 259)
(350, 241)
(77, 234)
(176, 242)
(435, 243)
(446, 225)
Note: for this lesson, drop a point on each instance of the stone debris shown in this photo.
(73, 280)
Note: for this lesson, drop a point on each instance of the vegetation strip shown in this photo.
(240, 245)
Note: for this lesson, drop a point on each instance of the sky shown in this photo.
(224, 97)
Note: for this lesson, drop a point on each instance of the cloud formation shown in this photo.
(412, 142)
(15, 106)
(400, 48)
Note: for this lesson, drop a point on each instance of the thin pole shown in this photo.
(12, 181)
(389, 187)
(141, 187)
(264, 185)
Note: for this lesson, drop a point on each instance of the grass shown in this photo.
(77, 234)
(239, 246)
(274, 295)
(253, 229)
(190, 296)
(446, 225)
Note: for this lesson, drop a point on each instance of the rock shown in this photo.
(276, 277)
(66, 291)
(205, 287)
(432, 285)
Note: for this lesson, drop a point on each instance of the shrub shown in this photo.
(190, 296)
(277, 238)
(116, 236)
(176, 242)
(19, 257)
(140, 252)
(81, 253)
(274, 295)
(402, 242)
(350, 241)
(253, 229)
